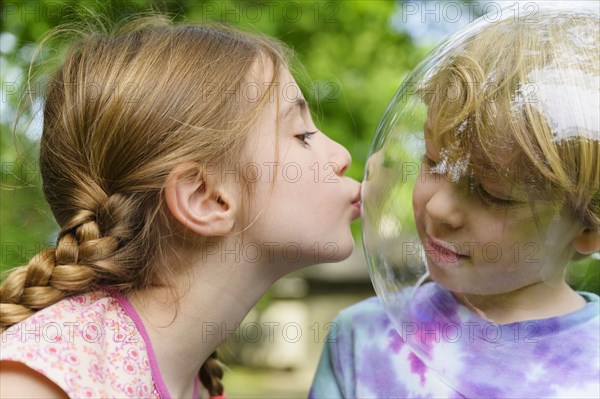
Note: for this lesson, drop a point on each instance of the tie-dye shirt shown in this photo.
(92, 345)
(557, 357)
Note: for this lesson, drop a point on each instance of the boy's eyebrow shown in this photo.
(298, 102)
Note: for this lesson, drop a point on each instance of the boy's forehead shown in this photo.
(499, 150)
(497, 174)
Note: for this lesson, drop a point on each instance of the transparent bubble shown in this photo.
(482, 174)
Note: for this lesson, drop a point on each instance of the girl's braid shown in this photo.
(84, 258)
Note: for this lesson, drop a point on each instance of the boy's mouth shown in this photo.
(443, 253)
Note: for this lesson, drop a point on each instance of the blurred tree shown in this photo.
(352, 63)
(353, 54)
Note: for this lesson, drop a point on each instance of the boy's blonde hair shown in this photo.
(510, 100)
(122, 111)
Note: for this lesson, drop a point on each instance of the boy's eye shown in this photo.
(432, 167)
(305, 136)
(492, 199)
(429, 162)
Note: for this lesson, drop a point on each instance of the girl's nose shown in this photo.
(340, 156)
(445, 206)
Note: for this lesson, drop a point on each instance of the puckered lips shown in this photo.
(356, 205)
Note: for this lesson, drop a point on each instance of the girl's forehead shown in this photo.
(263, 69)
(283, 100)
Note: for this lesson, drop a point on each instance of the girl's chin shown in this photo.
(337, 251)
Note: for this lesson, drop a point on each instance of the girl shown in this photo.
(506, 194)
(175, 161)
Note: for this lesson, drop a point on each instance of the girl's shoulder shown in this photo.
(86, 344)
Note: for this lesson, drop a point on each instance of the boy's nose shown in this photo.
(445, 206)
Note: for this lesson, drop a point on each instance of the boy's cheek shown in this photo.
(421, 194)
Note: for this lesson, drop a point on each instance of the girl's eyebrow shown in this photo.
(298, 102)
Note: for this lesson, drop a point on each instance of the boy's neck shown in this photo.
(214, 299)
(536, 301)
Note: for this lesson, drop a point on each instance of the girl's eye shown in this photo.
(304, 137)
(493, 200)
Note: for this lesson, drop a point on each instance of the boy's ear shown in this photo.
(202, 202)
(587, 242)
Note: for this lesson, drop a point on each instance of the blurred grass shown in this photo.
(584, 275)
(251, 383)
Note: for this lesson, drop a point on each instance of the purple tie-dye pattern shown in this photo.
(556, 357)
(378, 377)
(417, 367)
(395, 341)
(340, 360)
(541, 350)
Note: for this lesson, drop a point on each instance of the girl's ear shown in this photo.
(203, 203)
(587, 242)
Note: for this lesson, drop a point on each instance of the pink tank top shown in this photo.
(92, 346)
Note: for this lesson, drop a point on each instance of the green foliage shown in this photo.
(25, 217)
(353, 59)
(352, 63)
(585, 275)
